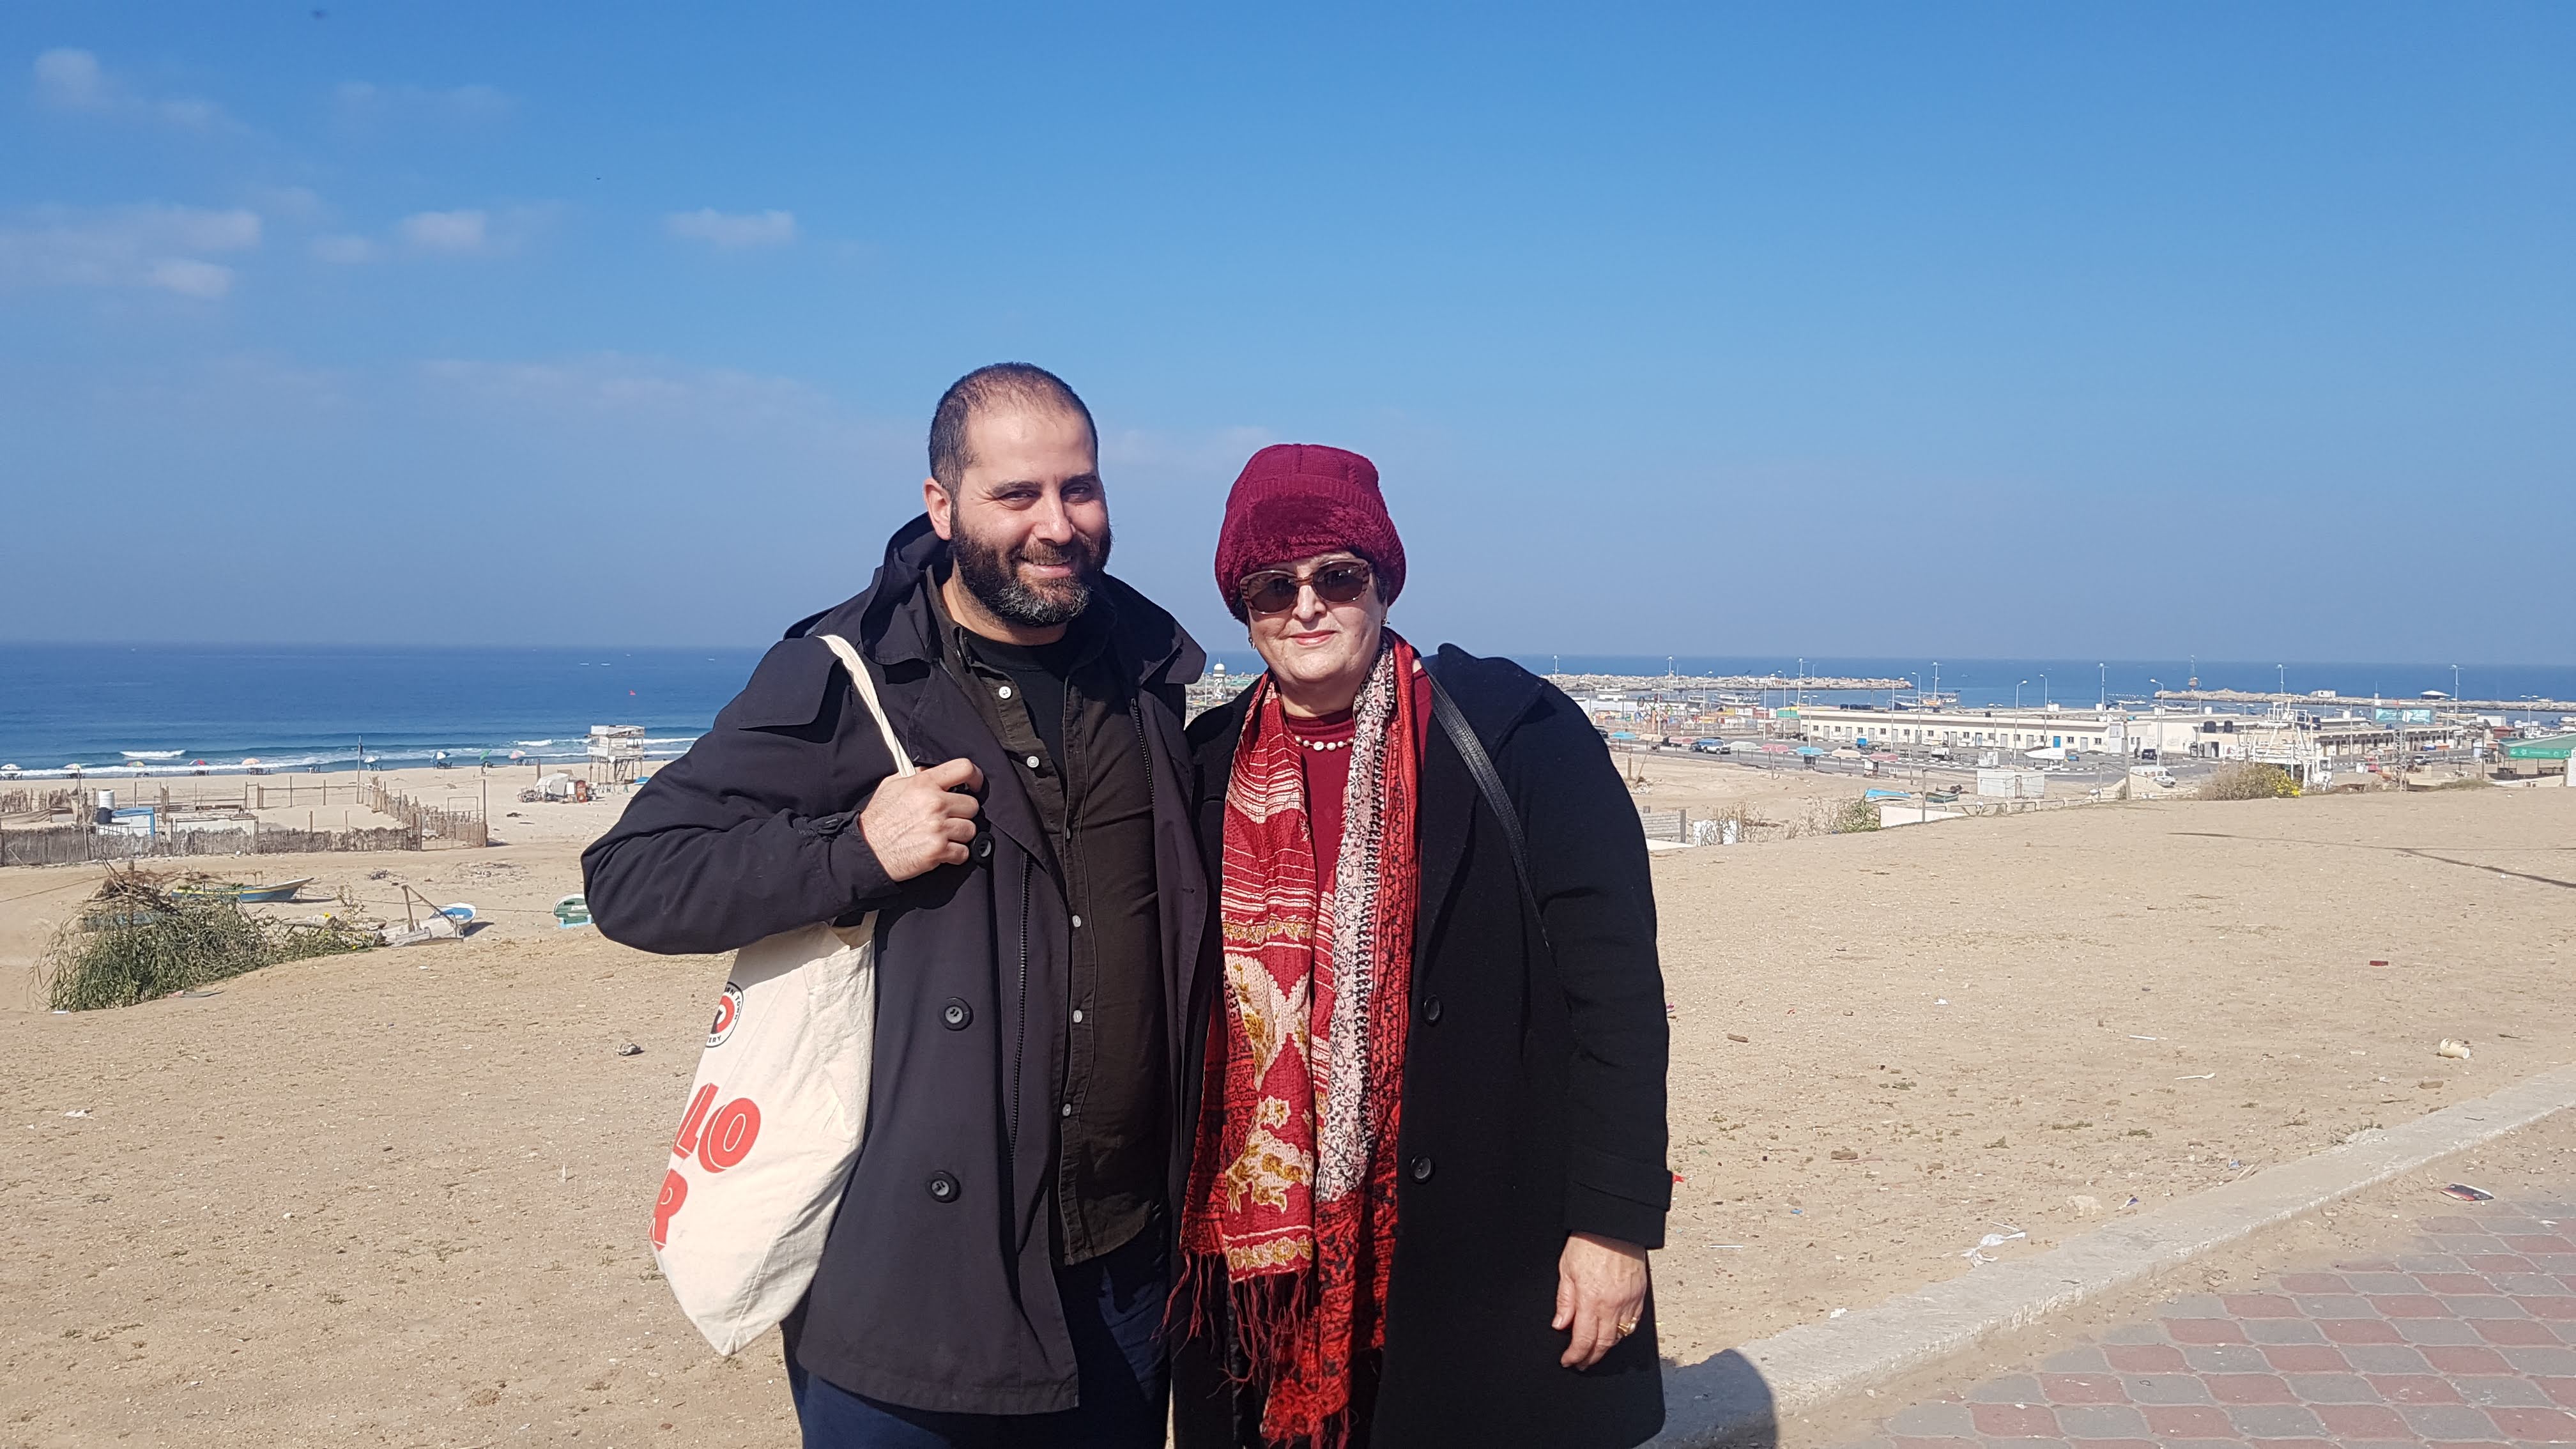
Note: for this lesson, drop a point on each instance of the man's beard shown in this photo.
(992, 575)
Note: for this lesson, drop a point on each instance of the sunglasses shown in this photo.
(1276, 592)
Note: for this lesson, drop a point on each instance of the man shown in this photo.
(998, 1269)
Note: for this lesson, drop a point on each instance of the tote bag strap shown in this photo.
(867, 689)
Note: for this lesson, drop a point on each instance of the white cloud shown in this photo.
(128, 246)
(1217, 452)
(733, 231)
(447, 231)
(345, 250)
(191, 278)
(73, 80)
(464, 232)
(70, 80)
(291, 203)
(365, 101)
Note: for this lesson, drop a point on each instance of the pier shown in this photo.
(2362, 701)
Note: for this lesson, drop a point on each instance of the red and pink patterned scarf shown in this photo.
(1292, 1191)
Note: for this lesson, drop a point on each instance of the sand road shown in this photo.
(400, 1198)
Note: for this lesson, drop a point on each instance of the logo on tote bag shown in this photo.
(720, 1137)
(728, 1011)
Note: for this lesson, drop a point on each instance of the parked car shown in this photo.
(1709, 747)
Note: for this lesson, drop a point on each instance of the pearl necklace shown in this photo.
(1319, 746)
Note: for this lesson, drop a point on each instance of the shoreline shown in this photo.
(657, 749)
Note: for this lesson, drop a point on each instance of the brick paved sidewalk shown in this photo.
(2470, 1338)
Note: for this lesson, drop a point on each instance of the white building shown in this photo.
(1862, 726)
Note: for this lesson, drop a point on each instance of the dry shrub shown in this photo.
(2250, 781)
(1855, 816)
(138, 941)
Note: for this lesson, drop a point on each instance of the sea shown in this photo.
(144, 710)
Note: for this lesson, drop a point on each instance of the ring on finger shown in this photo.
(1627, 1326)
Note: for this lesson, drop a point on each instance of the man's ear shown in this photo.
(941, 508)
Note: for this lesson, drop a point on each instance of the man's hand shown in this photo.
(918, 824)
(1600, 1291)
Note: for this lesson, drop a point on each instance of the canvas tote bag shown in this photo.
(774, 1118)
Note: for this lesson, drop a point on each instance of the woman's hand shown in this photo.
(1600, 1291)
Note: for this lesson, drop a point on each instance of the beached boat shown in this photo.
(250, 894)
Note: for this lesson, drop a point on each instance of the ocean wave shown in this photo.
(242, 757)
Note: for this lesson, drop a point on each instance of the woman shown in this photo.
(1430, 1121)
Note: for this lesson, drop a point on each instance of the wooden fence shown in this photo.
(49, 839)
(73, 844)
(453, 827)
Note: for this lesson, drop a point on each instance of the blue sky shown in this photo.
(1867, 329)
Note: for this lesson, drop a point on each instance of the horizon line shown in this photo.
(1598, 653)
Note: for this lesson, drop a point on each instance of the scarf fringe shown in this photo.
(1262, 1318)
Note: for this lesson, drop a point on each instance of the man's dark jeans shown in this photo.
(1114, 1307)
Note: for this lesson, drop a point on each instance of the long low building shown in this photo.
(2169, 734)
(2088, 731)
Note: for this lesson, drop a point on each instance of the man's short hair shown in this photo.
(1003, 384)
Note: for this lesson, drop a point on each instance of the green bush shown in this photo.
(2250, 782)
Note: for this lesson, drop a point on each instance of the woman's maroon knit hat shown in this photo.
(1294, 500)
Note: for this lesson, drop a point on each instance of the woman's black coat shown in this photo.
(1533, 1088)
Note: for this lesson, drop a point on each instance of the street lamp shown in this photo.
(2281, 677)
(2043, 689)
(2104, 697)
(2017, 684)
(2455, 681)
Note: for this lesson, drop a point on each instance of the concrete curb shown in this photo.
(1739, 1397)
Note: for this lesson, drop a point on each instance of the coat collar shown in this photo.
(1494, 694)
(892, 622)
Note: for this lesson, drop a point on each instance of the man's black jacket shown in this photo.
(937, 1288)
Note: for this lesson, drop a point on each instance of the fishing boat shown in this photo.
(246, 894)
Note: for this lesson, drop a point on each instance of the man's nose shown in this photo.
(1053, 524)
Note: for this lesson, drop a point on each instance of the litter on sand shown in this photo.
(1837, 1313)
(2201, 1077)
(77, 1112)
(632, 1050)
(2133, 1036)
(1978, 1253)
(2466, 1193)
(2452, 1047)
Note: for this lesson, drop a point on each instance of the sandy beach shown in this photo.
(400, 1197)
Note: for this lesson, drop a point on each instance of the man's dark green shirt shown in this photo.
(1065, 714)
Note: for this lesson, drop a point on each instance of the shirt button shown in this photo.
(1422, 1169)
(943, 1188)
(1077, 1016)
(1065, 1111)
(957, 1014)
(1033, 762)
(1077, 923)
(1005, 691)
(1431, 1008)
